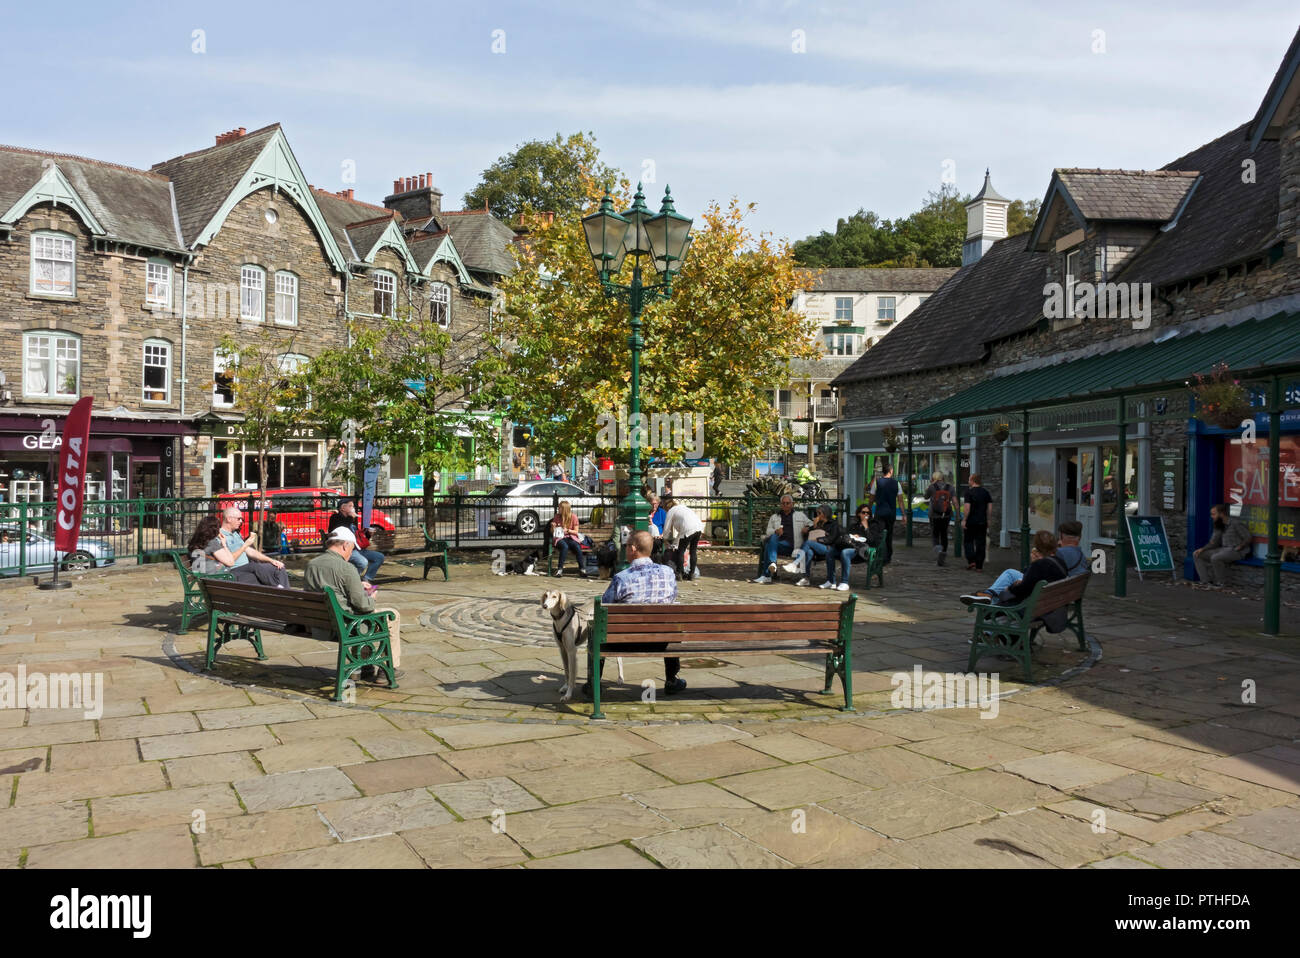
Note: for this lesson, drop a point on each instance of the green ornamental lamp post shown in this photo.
(663, 239)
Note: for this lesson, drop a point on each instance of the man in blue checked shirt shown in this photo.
(645, 582)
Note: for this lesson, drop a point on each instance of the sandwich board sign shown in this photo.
(1150, 541)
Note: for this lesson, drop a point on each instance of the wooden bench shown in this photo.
(437, 549)
(193, 604)
(641, 631)
(1011, 629)
(241, 611)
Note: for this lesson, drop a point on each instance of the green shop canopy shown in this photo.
(1253, 347)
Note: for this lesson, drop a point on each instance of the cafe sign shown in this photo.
(235, 430)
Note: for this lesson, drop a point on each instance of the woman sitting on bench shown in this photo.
(1012, 587)
(566, 538)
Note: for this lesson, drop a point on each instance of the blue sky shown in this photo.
(713, 94)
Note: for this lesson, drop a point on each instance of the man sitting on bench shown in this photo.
(644, 581)
(366, 560)
(334, 568)
(245, 563)
(1012, 587)
(1230, 543)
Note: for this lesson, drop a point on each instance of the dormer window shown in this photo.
(54, 263)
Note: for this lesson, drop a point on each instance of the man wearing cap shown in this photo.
(334, 568)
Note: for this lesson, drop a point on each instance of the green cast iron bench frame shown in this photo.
(1011, 629)
(193, 605)
(242, 611)
(437, 549)
(641, 631)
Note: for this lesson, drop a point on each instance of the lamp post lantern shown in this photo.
(664, 238)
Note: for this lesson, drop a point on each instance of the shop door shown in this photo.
(1086, 504)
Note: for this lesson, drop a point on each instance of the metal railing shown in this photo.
(146, 530)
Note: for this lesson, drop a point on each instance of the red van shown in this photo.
(301, 513)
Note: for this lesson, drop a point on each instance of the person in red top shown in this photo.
(363, 557)
(566, 538)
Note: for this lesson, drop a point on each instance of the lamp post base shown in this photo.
(47, 586)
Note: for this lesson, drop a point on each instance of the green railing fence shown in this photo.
(144, 530)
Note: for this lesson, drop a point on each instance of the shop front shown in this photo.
(868, 445)
(233, 464)
(126, 460)
(1075, 476)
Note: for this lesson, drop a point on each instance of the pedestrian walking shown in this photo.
(977, 513)
(940, 495)
(884, 496)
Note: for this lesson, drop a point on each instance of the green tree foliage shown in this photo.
(406, 381)
(714, 350)
(541, 176)
(272, 395)
(932, 236)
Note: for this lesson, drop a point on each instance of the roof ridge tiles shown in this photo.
(83, 159)
(1101, 172)
(344, 199)
(217, 146)
(392, 215)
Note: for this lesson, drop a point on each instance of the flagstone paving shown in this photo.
(1173, 742)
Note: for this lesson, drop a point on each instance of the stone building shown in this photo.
(1078, 338)
(121, 283)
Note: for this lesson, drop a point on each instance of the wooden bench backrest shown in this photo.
(722, 623)
(1056, 595)
(310, 609)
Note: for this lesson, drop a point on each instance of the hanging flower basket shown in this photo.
(1221, 400)
(891, 439)
(1001, 431)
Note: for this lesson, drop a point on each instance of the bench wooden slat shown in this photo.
(782, 608)
(702, 649)
(705, 618)
(638, 638)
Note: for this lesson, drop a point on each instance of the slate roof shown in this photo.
(133, 206)
(365, 235)
(998, 295)
(1279, 98)
(422, 249)
(879, 280)
(204, 179)
(482, 240)
(1225, 220)
(1135, 195)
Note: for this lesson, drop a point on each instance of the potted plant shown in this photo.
(1221, 400)
(1001, 431)
(889, 435)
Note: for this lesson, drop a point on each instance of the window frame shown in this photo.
(145, 366)
(248, 271)
(220, 364)
(391, 278)
(881, 309)
(843, 313)
(61, 236)
(51, 363)
(434, 290)
(1069, 280)
(153, 263)
(299, 360)
(289, 275)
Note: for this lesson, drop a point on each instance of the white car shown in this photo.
(523, 507)
(39, 553)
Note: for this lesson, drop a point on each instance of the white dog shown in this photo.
(572, 628)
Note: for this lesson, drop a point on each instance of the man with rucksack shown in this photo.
(940, 495)
(884, 495)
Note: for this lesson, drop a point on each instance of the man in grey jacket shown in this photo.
(1230, 543)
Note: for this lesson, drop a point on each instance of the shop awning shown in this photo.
(1254, 347)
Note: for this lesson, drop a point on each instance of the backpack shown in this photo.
(941, 501)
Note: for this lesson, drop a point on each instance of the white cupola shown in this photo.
(986, 222)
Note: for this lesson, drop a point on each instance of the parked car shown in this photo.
(522, 507)
(301, 513)
(89, 554)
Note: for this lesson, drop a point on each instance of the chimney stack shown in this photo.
(415, 197)
(230, 135)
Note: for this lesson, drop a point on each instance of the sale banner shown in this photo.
(72, 476)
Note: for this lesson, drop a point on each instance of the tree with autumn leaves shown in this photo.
(716, 349)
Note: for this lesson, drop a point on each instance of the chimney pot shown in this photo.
(422, 183)
(429, 175)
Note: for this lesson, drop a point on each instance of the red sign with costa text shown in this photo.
(72, 476)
